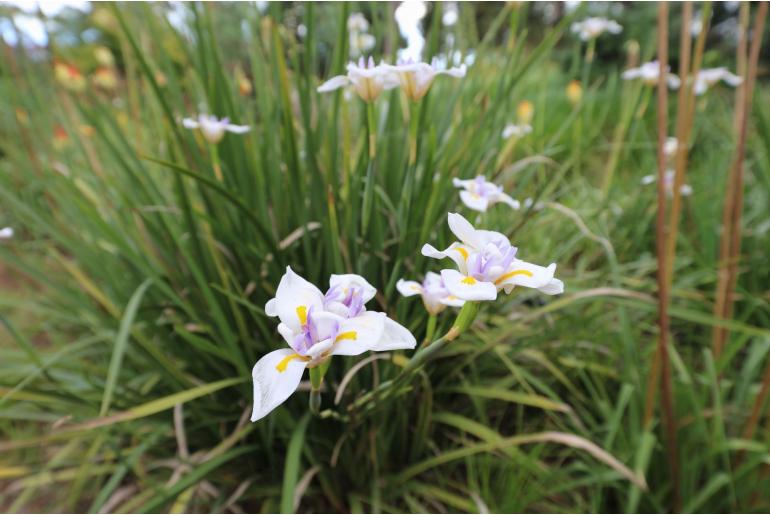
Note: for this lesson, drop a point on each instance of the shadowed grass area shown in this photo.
(145, 256)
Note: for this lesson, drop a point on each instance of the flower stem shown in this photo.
(430, 331)
(215, 162)
(368, 202)
(411, 169)
(464, 320)
(316, 379)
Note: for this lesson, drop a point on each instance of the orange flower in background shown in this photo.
(105, 78)
(524, 111)
(87, 130)
(60, 138)
(244, 84)
(574, 92)
(69, 76)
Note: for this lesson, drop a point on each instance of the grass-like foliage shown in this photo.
(132, 293)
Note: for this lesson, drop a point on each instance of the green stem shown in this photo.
(317, 374)
(463, 321)
(215, 162)
(430, 330)
(368, 204)
(411, 169)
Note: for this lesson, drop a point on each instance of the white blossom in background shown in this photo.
(435, 296)
(670, 148)
(649, 73)
(6, 233)
(357, 22)
(486, 264)
(478, 194)
(365, 78)
(592, 28)
(513, 130)
(668, 183)
(361, 43)
(710, 76)
(212, 128)
(451, 15)
(409, 17)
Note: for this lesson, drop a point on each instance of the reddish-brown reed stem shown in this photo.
(735, 235)
(730, 243)
(661, 359)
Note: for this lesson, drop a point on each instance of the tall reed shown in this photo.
(730, 240)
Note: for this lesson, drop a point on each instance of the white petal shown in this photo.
(474, 201)
(294, 296)
(506, 199)
(319, 350)
(189, 123)
(346, 281)
(732, 79)
(237, 129)
(276, 376)
(456, 252)
(429, 250)
(461, 183)
(468, 288)
(451, 300)
(555, 287)
(285, 331)
(395, 337)
(271, 308)
(648, 179)
(463, 229)
(494, 237)
(334, 83)
(408, 288)
(359, 334)
(457, 72)
(529, 275)
(673, 81)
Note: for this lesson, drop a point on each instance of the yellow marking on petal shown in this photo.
(348, 335)
(302, 314)
(511, 274)
(415, 288)
(451, 297)
(462, 251)
(281, 366)
(469, 280)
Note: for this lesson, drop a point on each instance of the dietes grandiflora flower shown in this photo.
(212, 128)
(478, 194)
(416, 78)
(317, 326)
(592, 28)
(649, 73)
(670, 148)
(486, 263)
(710, 76)
(365, 78)
(434, 294)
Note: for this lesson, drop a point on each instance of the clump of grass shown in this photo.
(125, 374)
